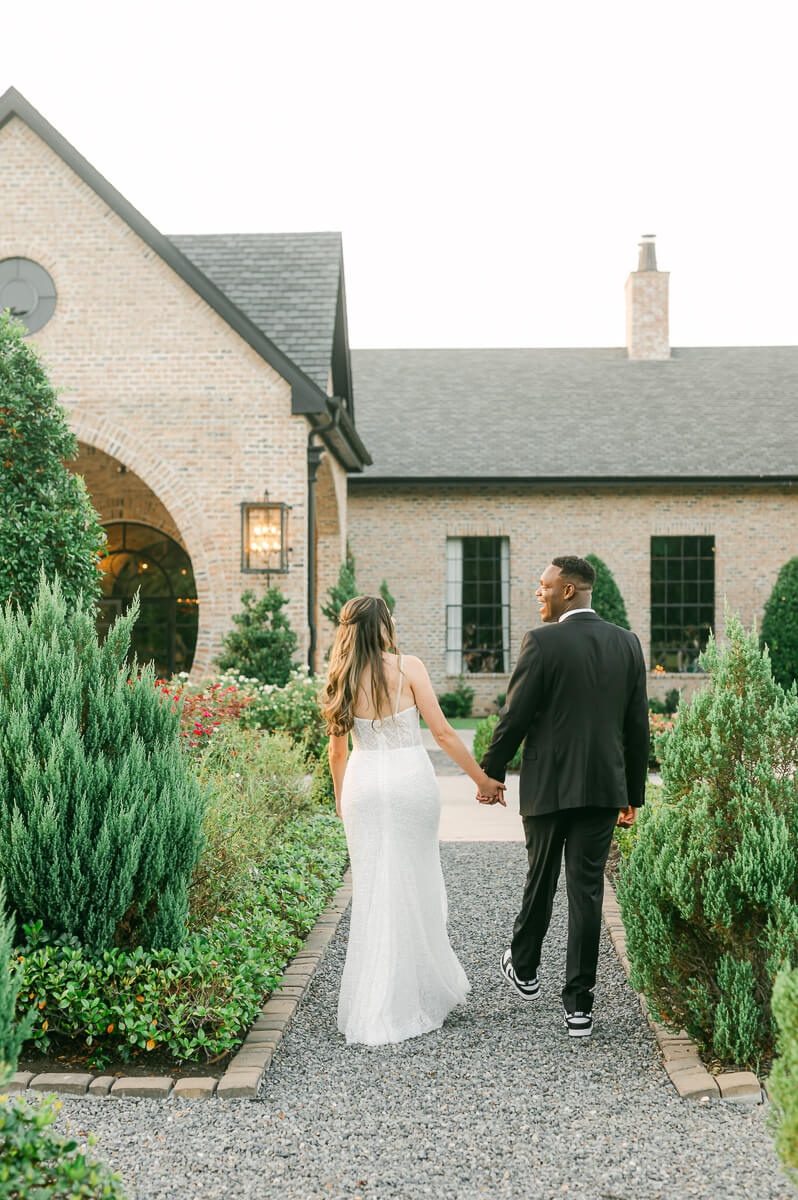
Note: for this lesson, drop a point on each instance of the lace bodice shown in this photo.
(396, 732)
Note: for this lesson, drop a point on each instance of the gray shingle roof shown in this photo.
(719, 412)
(286, 283)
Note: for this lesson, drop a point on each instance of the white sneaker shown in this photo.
(528, 989)
(579, 1024)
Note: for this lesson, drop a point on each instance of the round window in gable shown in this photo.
(28, 291)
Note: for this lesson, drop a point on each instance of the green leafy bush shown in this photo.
(709, 895)
(780, 625)
(257, 783)
(194, 1003)
(36, 1164)
(607, 599)
(294, 708)
(322, 787)
(458, 703)
(783, 1081)
(30, 1157)
(263, 644)
(100, 813)
(482, 739)
(666, 707)
(47, 521)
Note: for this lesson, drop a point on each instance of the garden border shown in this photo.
(248, 1066)
(681, 1057)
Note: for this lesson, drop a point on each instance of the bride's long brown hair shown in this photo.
(365, 632)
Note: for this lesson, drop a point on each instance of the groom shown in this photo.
(578, 697)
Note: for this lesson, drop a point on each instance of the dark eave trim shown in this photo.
(575, 481)
(306, 396)
(343, 440)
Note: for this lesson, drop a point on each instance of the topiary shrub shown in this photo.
(263, 644)
(779, 630)
(100, 813)
(709, 895)
(783, 1081)
(47, 519)
(607, 599)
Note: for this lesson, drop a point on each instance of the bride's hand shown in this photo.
(492, 793)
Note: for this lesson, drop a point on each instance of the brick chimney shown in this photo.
(647, 306)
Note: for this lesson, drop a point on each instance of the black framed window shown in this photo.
(477, 605)
(682, 600)
(140, 559)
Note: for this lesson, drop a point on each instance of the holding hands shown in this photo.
(491, 791)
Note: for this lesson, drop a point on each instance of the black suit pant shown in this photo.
(586, 835)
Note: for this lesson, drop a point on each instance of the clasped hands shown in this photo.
(492, 792)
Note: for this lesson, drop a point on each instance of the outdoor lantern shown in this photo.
(264, 537)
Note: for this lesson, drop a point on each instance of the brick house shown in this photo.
(467, 471)
(676, 467)
(184, 406)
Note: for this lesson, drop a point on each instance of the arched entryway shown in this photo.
(140, 558)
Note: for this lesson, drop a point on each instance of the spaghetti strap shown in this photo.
(399, 689)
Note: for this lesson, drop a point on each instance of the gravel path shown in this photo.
(497, 1103)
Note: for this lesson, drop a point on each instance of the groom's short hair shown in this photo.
(578, 570)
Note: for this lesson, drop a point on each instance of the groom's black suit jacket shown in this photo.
(578, 697)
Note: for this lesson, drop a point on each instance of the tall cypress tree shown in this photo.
(779, 630)
(607, 598)
(100, 812)
(47, 519)
(345, 589)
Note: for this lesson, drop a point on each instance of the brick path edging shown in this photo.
(681, 1057)
(247, 1068)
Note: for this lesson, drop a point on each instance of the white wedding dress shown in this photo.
(401, 976)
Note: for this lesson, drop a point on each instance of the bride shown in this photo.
(401, 976)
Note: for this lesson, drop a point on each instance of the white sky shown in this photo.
(491, 166)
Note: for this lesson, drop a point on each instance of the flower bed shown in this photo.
(205, 709)
(659, 727)
(197, 1001)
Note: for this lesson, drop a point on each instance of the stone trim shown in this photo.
(247, 1068)
(681, 1057)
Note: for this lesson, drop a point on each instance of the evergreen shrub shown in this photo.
(263, 644)
(607, 599)
(100, 813)
(13, 1030)
(458, 703)
(709, 894)
(343, 590)
(47, 519)
(783, 1081)
(482, 739)
(779, 630)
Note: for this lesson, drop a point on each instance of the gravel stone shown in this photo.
(498, 1103)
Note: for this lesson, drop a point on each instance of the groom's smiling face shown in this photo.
(551, 595)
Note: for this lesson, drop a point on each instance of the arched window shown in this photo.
(139, 558)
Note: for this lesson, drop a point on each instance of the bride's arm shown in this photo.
(441, 730)
(338, 752)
